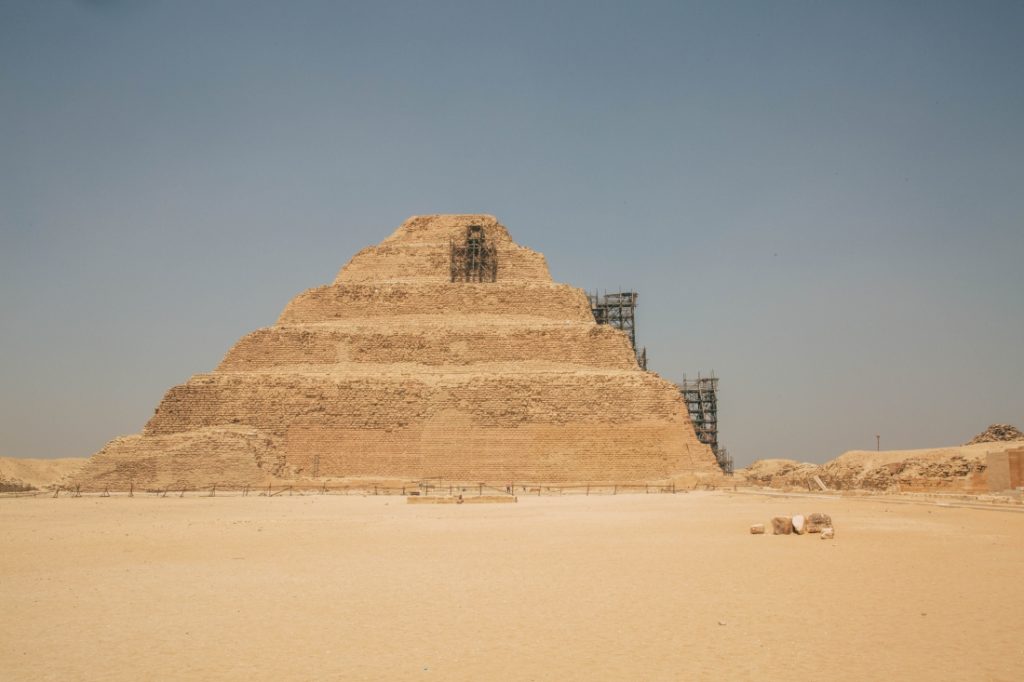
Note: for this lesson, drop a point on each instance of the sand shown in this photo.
(627, 587)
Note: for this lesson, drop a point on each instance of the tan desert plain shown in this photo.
(440, 467)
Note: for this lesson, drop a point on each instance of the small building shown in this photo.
(1005, 470)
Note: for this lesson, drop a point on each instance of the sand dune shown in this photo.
(38, 473)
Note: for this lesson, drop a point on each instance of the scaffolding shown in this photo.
(474, 259)
(701, 397)
(618, 309)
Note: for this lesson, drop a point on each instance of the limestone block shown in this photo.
(817, 522)
(798, 524)
(827, 533)
(782, 525)
(757, 529)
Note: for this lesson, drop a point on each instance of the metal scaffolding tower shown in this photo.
(474, 259)
(619, 310)
(701, 397)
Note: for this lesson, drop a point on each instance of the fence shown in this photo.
(436, 488)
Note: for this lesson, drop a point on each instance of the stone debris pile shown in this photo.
(960, 468)
(798, 524)
(818, 522)
(997, 433)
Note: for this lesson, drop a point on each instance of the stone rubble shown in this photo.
(960, 468)
(997, 433)
(798, 524)
(817, 522)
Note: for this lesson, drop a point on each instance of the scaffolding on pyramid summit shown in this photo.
(474, 259)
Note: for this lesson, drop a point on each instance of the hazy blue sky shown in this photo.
(821, 201)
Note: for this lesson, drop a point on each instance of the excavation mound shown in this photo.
(998, 433)
(961, 468)
(933, 469)
(780, 473)
(444, 352)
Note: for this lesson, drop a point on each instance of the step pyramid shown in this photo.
(446, 351)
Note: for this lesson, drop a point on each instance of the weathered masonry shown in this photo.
(445, 351)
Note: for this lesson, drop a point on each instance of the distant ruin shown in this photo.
(446, 351)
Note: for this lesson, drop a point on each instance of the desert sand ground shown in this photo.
(626, 587)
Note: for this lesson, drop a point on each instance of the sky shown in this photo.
(822, 202)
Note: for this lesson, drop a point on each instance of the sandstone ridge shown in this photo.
(395, 371)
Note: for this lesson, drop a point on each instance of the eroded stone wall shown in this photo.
(292, 348)
(360, 301)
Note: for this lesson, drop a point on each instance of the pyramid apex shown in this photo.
(444, 226)
(420, 251)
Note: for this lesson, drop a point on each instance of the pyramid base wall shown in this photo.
(454, 449)
(229, 457)
(550, 427)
